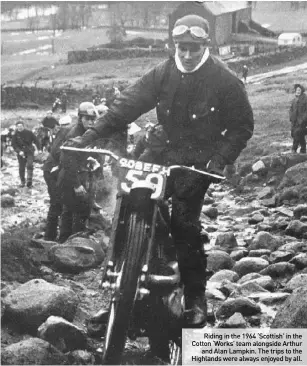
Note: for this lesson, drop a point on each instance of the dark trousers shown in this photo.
(55, 207)
(26, 162)
(71, 222)
(187, 200)
(298, 136)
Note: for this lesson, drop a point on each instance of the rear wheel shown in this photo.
(122, 300)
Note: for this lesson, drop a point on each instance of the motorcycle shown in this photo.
(56, 105)
(141, 270)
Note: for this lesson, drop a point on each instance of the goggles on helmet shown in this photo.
(195, 31)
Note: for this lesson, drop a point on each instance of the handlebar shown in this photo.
(213, 176)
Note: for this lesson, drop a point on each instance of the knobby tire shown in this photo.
(121, 309)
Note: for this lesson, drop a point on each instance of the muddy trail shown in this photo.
(255, 234)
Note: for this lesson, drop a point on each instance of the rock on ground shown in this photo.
(62, 334)
(32, 351)
(218, 260)
(249, 264)
(33, 302)
(293, 313)
(77, 254)
(227, 241)
(264, 240)
(241, 305)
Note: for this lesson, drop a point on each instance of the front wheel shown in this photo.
(122, 300)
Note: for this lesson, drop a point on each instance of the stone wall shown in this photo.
(113, 54)
(13, 96)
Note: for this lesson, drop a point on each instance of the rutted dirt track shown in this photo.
(256, 230)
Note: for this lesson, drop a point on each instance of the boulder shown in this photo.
(34, 301)
(77, 254)
(237, 254)
(264, 240)
(248, 277)
(264, 281)
(241, 305)
(259, 167)
(32, 351)
(288, 194)
(265, 192)
(211, 212)
(227, 241)
(256, 219)
(62, 334)
(259, 252)
(295, 246)
(293, 313)
(7, 201)
(280, 256)
(269, 202)
(225, 274)
(235, 321)
(295, 175)
(300, 261)
(296, 228)
(295, 282)
(269, 298)
(251, 287)
(218, 260)
(249, 264)
(299, 211)
(281, 269)
(81, 357)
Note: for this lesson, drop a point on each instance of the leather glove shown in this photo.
(80, 191)
(216, 165)
(81, 141)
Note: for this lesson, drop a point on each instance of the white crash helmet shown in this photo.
(87, 109)
(65, 121)
(101, 109)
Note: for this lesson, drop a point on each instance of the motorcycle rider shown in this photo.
(22, 143)
(51, 171)
(73, 178)
(203, 109)
(49, 121)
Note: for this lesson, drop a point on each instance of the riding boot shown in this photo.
(195, 315)
(51, 227)
(192, 265)
(29, 177)
(66, 224)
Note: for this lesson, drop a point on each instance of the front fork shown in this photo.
(122, 210)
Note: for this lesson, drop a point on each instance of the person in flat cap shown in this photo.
(298, 119)
(203, 109)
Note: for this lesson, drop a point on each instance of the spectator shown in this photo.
(245, 73)
(298, 119)
(22, 143)
(63, 101)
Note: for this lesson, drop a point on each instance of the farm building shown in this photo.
(290, 39)
(225, 17)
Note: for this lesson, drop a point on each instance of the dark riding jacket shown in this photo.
(23, 141)
(204, 113)
(298, 112)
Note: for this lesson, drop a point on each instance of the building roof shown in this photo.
(289, 35)
(223, 7)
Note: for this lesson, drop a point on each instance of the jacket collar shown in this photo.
(183, 70)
